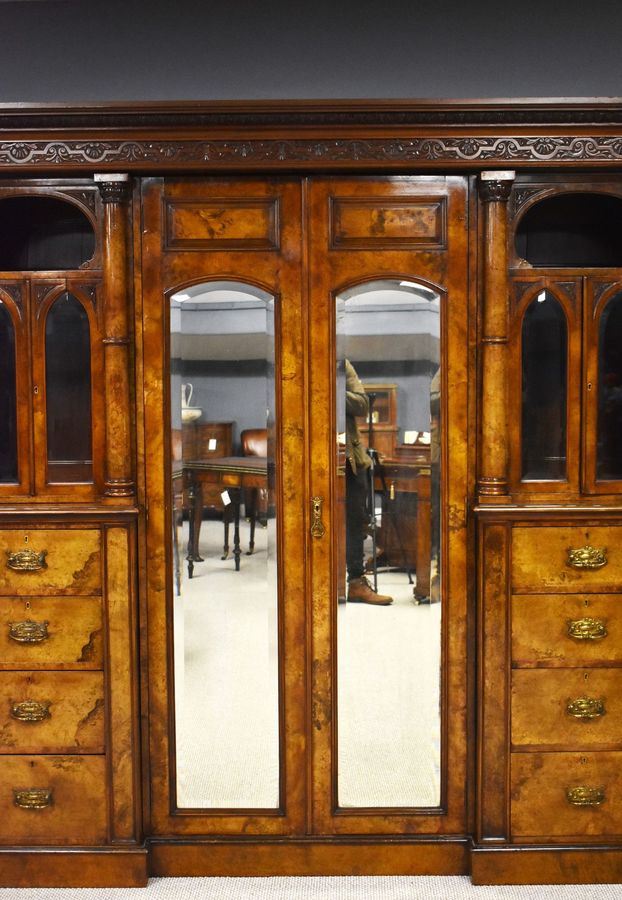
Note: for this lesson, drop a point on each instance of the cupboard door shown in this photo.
(223, 380)
(388, 305)
(603, 431)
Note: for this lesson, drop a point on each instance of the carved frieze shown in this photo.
(397, 150)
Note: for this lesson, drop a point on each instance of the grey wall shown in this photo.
(88, 50)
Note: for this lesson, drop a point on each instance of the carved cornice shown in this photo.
(167, 154)
(314, 113)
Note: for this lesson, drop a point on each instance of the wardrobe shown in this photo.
(186, 688)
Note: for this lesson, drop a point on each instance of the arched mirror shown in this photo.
(8, 399)
(544, 390)
(68, 392)
(609, 436)
(388, 477)
(224, 540)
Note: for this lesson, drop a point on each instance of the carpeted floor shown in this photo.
(359, 888)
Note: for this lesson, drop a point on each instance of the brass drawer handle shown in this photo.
(587, 629)
(33, 798)
(31, 711)
(26, 560)
(28, 632)
(585, 708)
(585, 796)
(317, 526)
(587, 557)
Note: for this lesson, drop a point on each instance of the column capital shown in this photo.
(495, 185)
(114, 187)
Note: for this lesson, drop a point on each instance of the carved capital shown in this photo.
(113, 188)
(495, 187)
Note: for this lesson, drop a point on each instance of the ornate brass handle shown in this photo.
(28, 632)
(587, 629)
(585, 708)
(26, 560)
(585, 796)
(31, 711)
(587, 557)
(317, 526)
(32, 798)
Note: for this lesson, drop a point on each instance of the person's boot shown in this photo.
(361, 591)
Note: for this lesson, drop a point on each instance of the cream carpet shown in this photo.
(356, 888)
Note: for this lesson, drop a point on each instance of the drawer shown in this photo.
(51, 633)
(566, 629)
(540, 804)
(541, 559)
(567, 708)
(47, 561)
(63, 800)
(52, 712)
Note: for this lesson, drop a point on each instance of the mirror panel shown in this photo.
(388, 545)
(225, 597)
(544, 391)
(609, 438)
(8, 399)
(68, 392)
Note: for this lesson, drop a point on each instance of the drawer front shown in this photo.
(46, 561)
(566, 629)
(540, 803)
(51, 633)
(52, 712)
(567, 559)
(53, 800)
(567, 708)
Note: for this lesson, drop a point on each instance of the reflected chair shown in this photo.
(254, 442)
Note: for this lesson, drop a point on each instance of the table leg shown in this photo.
(195, 517)
(235, 500)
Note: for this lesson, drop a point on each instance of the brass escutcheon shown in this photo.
(31, 710)
(317, 526)
(585, 796)
(26, 560)
(587, 629)
(585, 708)
(587, 557)
(28, 632)
(32, 798)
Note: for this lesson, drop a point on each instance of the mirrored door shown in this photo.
(388, 414)
(224, 481)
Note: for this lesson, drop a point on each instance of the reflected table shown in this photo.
(232, 474)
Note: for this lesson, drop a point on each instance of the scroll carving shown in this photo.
(163, 153)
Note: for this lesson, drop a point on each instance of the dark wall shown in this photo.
(89, 50)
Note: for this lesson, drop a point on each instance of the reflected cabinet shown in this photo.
(310, 498)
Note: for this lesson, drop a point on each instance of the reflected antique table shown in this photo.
(232, 474)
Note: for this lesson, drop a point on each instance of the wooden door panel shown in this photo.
(242, 230)
(379, 229)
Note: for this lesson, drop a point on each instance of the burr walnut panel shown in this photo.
(66, 561)
(73, 633)
(52, 712)
(566, 629)
(566, 708)
(361, 224)
(541, 559)
(242, 224)
(540, 801)
(62, 800)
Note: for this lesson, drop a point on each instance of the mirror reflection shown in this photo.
(223, 546)
(389, 592)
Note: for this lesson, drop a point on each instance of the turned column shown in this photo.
(494, 190)
(115, 193)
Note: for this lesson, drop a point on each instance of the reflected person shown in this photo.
(357, 489)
